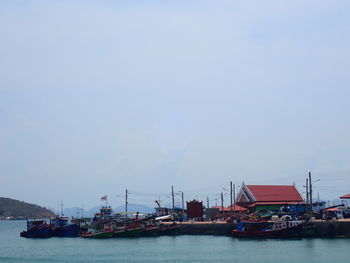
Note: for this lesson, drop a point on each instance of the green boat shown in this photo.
(104, 234)
(169, 229)
(151, 230)
(123, 231)
(98, 233)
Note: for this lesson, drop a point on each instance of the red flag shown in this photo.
(104, 198)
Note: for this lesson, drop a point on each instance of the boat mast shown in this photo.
(61, 208)
(126, 202)
(172, 195)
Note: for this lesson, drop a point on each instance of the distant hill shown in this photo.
(76, 211)
(136, 208)
(14, 208)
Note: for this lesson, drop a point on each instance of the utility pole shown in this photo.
(183, 204)
(172, 196)
(126, 202)
(234, 198)
(231, 196)
(310, 182)
(307, 192)
(222, 202)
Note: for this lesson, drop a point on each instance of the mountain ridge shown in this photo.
(15, 208)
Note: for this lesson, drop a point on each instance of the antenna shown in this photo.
(61, 208)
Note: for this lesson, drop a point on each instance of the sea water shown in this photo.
(14, 248)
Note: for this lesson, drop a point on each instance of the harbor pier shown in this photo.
(206, 228)
(339, 228)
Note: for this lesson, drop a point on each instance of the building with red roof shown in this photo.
(267, 198)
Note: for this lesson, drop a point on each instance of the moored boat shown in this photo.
(169, 229)
(62, 228)
(151, 230)
(268, 229)
(97, 234)
(128, 231)
(37, 229)
(92, 232)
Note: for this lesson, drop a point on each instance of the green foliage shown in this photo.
(15, 208)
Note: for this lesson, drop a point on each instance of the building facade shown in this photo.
(271, 198)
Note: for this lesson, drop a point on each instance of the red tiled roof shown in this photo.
(275, 193)
(345, 196)
(278, 203)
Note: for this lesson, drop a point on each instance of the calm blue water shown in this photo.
(13, 248)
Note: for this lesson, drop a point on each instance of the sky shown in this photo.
(101, 96)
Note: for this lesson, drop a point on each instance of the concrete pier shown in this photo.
(332, 228)
(323, 228)
(206, 228)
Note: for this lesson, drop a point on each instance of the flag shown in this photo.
(104, 198)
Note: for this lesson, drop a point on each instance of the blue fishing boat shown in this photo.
(37, 229)
(62, 227)
(268, 229)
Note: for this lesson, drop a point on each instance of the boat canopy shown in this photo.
(167, 217)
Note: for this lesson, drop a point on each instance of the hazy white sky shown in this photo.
(99, 96)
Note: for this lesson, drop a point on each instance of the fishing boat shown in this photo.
(128, 230)
(268, 229)
(151, 230)
(37, 229)
(97, 234)
(150, 226)
(106, 232)
(169, 229)
(62, 227)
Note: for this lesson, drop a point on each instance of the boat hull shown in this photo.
(151, 231)
(135, 232)
(289, 232)
(170, 230)
(43, 231)
(107, 234)
(71, 230)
